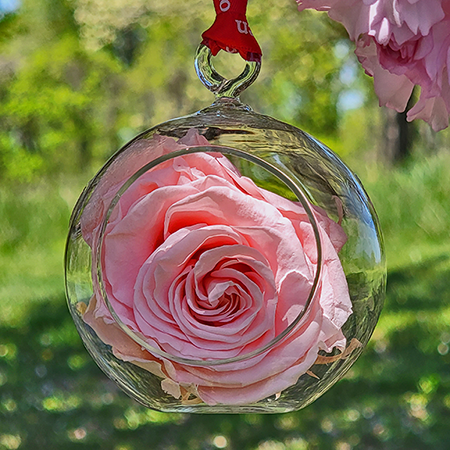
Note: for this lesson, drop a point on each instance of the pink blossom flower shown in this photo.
(201, 263)
(401, 43)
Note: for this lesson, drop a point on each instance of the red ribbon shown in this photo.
(231, 32)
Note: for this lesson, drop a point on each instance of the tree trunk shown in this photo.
(398, 136)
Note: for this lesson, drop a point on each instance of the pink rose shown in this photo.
(201, 263)
(401, 43)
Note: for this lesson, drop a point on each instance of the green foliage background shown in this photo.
(78, 78)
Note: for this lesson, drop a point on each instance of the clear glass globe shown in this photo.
(225, 262)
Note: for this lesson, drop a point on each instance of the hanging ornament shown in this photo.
(225, 262)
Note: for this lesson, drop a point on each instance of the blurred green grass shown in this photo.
(413, 204)
(33, 225)
(397, 396)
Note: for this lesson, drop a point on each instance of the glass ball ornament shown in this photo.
(225, 262)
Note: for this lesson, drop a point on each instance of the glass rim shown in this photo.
(297, 191)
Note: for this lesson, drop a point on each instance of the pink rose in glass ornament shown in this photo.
(400, 43)
(202, 264)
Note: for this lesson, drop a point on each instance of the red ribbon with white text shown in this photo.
(231, 32)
